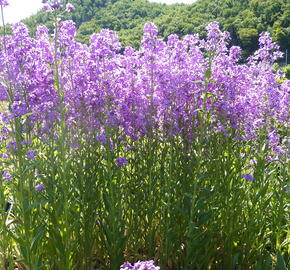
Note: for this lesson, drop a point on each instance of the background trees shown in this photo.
(244, 19)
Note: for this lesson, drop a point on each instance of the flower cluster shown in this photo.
(6, 175)
(31, 154)
(140, 265)
(51, 5)
(121, 161)
(4, 3)
(166, 88)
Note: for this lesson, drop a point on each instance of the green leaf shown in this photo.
(261, 193)
(208, 95)
(199, 82)
(281, 265)
(267, 264)
(205, 217)
(37, 238)
(26, 115)
(35, 205)
(235, 260)
(208, 74)
(259, 265)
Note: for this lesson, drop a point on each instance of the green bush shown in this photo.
(286, 70)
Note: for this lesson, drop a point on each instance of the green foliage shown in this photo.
(248, 38)
(181, 202)
(286, 70)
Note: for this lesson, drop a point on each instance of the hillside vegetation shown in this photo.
(244, 19)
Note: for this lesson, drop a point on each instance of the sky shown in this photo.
(20, 9)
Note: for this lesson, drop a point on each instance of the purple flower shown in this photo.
(47, 8)
(150, 30)
(126, 266)
(11, 145)
(154, 90)
(4, 3)
(121, 161)
(130, 148)
(104, 44)
(74, 144)
(140, 265)
(102, 139)
(25, 142)
(248, 177)
(31, 154)
(145, 265)
(55, 5)
(69, 7)
(39, 187)
(6, 175)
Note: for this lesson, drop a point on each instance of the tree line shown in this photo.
(244, 19)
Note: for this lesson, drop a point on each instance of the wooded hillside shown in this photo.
(244, 19)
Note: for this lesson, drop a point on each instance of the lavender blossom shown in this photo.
(248, 177)
(47, 8)
(4, 3)
(69, 7)
(145, 265)
(121, 161)
(6, 175)
(39, 187)
(126, 266)
(74, 144)
(55, 5)
(92, 76)
(31, 154)
(102, 139)
(140, 265)
(26, 142)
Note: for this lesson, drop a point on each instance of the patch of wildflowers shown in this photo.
(157, 89)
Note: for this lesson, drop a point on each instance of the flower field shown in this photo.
(177, 152)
